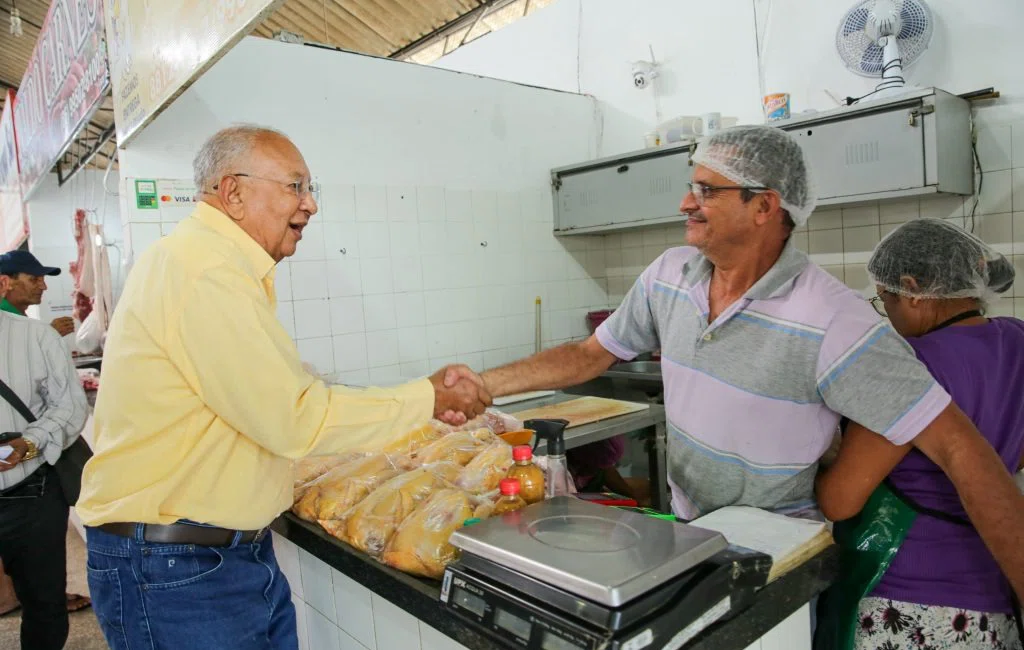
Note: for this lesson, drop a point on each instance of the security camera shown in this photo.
(643, 74)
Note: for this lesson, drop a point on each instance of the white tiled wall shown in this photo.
(334, 612)
(394, 282)
(841, 239)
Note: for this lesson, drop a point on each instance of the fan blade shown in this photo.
(914, 24)
(855, 21)
(871, 60)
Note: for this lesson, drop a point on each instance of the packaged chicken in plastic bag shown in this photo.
(420, 545)
(372, 522)
(459, 447)
(331, 495)
(417, 438)
(306, 470)
(496, 421)
(485, 471)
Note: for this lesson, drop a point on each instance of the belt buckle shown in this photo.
(260, 534)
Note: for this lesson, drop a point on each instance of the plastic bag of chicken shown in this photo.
(418, 438)
(485, 471)
(371, 523)
(494, 420)
(334, 493)
(308, 469)
(459, 448)
(420, 545)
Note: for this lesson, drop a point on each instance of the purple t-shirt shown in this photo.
(940, 563)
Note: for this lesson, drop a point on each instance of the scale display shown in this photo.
(468, 601)
(551, 642)
(512, 623)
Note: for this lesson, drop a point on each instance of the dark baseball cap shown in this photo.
(16, 262)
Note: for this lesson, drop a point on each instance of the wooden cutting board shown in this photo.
(582, 410)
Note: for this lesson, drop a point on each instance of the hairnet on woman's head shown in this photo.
(944, 260)
(762, 156)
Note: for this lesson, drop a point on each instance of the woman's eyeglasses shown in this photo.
(879, 304)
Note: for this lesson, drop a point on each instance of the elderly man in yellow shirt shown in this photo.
(205, 403)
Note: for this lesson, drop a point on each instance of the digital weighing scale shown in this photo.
(565, 574)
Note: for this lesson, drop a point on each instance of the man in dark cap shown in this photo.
(28, 282)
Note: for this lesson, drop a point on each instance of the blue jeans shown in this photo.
(162, 596)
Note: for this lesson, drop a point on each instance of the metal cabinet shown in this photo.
(913, 145)
(916, 144)
(621, 192)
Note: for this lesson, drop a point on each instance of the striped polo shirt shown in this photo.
(753, 399)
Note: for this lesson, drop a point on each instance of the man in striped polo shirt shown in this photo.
(763, 352)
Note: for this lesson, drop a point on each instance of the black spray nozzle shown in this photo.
(552, 431)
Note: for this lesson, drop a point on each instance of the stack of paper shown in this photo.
(790, 542)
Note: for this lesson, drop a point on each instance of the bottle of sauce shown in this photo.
(531, 477)
(510, 499)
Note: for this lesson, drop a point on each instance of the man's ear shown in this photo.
(229, 191)
(767, 204)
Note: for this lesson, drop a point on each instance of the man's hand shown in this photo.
(20, 450)
(459, 394)
(64, 325)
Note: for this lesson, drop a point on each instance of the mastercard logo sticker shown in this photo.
(165, 198)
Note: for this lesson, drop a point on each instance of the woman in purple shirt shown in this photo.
(942, 588)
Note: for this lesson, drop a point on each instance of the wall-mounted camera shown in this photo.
(644, 74)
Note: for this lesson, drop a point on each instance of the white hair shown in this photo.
(224, 151)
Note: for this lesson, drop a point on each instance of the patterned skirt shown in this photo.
(893, 625)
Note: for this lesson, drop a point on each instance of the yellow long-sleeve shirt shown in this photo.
(204, 402)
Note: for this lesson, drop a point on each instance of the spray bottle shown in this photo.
(556, 482)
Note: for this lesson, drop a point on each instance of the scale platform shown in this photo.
(606, 555)
(632, 601)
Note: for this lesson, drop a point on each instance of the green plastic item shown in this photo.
(867, 544)
(471, 521)
(650, 512)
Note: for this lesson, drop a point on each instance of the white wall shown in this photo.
(709, 53)
(975, 45)
(51, 215)
(419, 167)
(706, 50)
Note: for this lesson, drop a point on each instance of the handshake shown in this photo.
(459, 394)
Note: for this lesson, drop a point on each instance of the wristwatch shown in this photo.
(32, 452)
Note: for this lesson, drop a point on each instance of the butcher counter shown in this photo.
(345, 600)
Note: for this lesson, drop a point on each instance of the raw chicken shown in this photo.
(371, 523)
(310, 468)
(420, 545)
(460, 447)
(496, 421)
(331, 495)
(417, 438)
(484, 472)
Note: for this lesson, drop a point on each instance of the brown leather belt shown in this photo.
(184, 534)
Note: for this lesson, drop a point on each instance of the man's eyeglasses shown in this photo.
(299, 188)
(702, 191)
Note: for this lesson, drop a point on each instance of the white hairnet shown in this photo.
(944, 260)
(762, 156)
